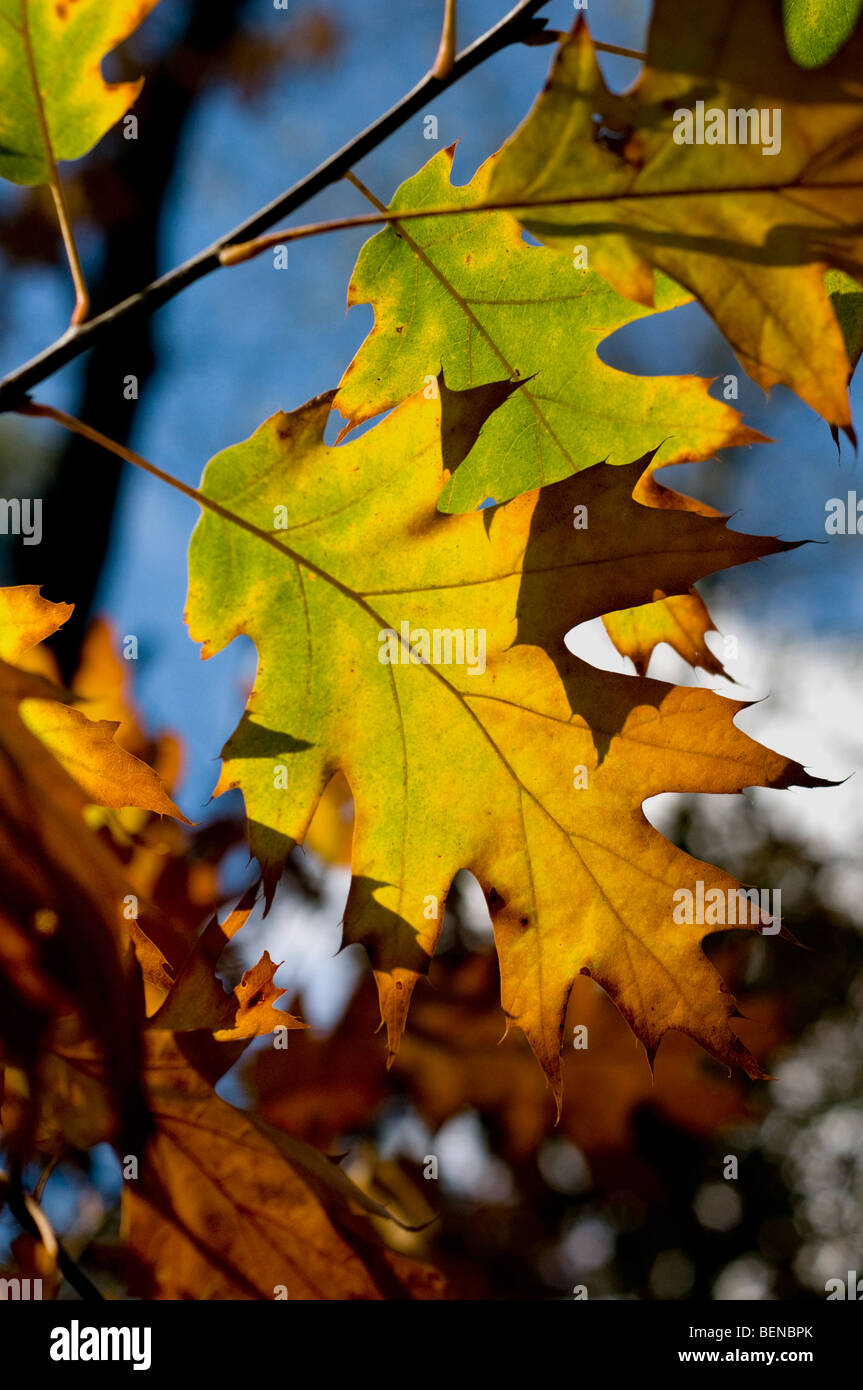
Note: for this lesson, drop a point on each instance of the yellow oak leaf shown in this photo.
(423, 655)
(681, 621)
(26, 619)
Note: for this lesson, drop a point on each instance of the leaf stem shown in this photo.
(446, 53)
(82, 297)
(247, 250)
(620, 52)
(517, 26)
(76, 426)
(350, 177)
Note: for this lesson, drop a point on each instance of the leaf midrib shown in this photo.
(39, 105)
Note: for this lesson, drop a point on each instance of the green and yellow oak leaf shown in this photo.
(106, 772)
(55, 103)
(469, 295)
(470, 766)
(749, 228)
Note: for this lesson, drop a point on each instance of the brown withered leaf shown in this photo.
(63, 938)
(197, 1000)
(224, 1209)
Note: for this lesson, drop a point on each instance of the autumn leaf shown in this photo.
(108, 774)
(26, 619)
(222, 1205)
(681, 621)
(816, 29)
(56, 104)
(88, 750)
(339, 608)
(749, 228)
(227, 1208)
(469, 295)
(198, 1001)
(63, 937)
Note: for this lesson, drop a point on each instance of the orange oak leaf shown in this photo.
(106, 772)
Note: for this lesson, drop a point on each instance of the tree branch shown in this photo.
(520, 24)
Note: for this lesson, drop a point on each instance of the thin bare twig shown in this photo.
(620, 52)
(519, 25)
(247, 250)
(45, 1175)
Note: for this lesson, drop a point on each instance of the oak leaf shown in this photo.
(748, 225)
(456, 763)
(106, 772)
(56, 104)
(227, 1207)
(681, 621)
(469, 295)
